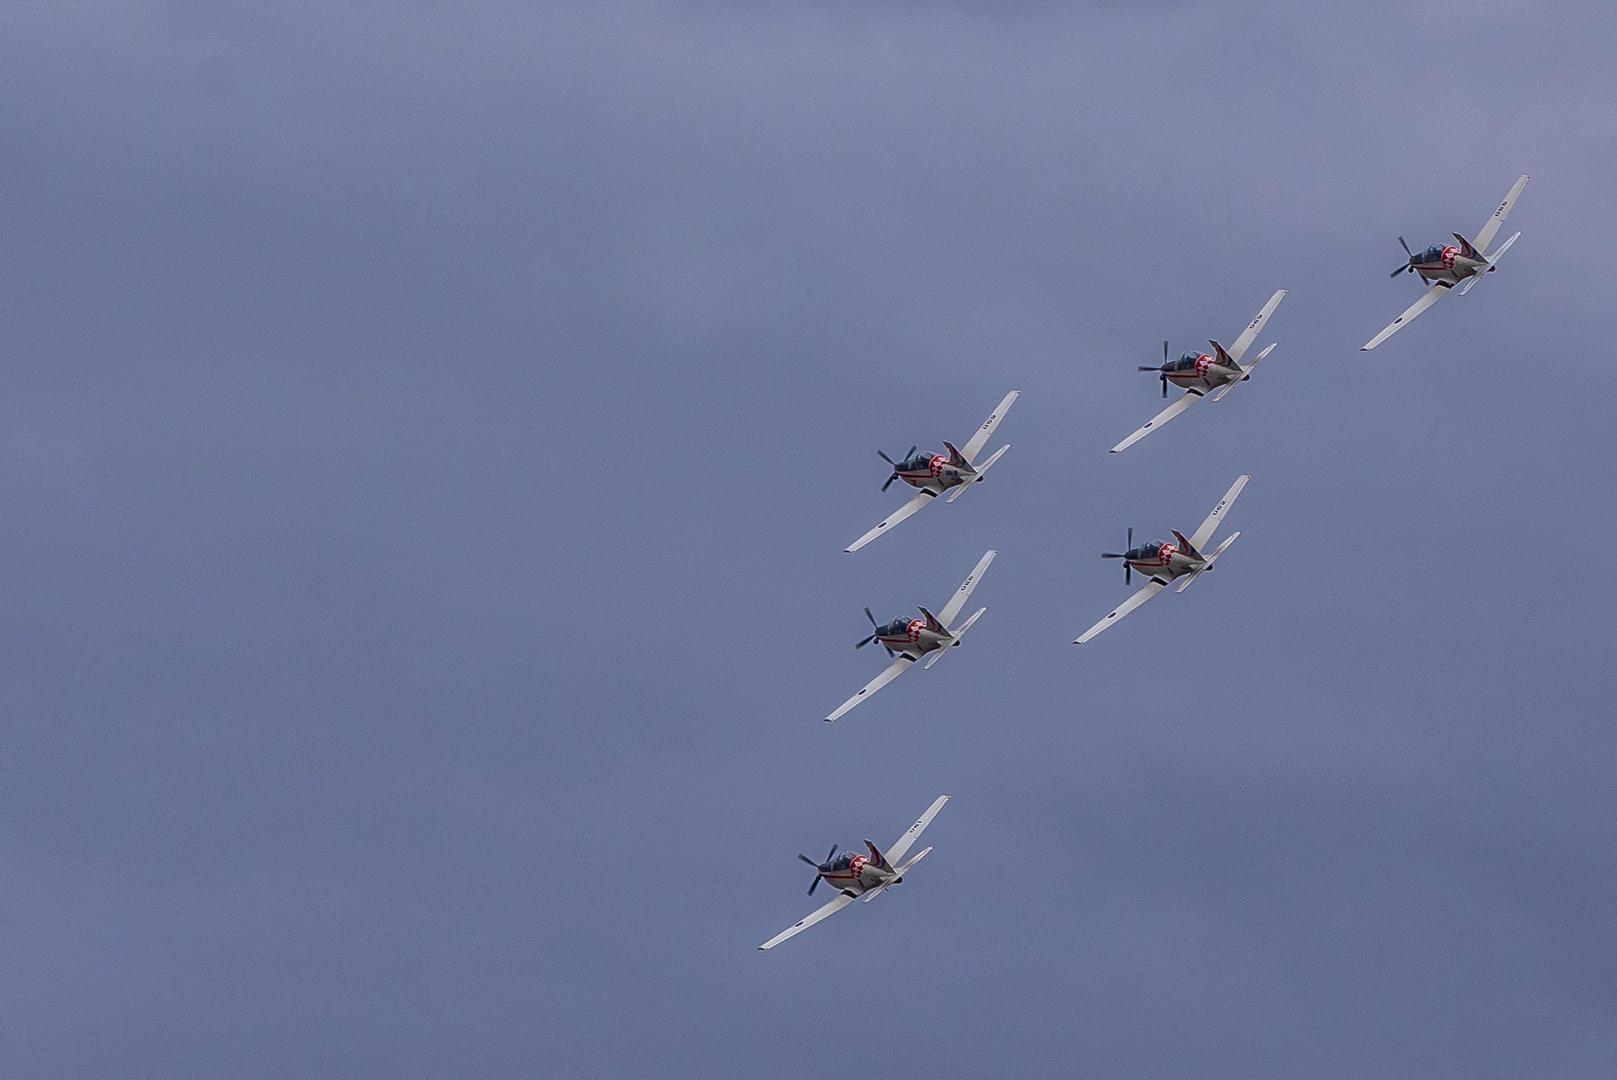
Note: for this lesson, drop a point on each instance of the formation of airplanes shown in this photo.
(1441, 268)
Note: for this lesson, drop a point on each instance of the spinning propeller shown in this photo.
(1407, 267)
(894, 464)
(1162, 372)
(875, 628)
(819, 868)
(1127, 569)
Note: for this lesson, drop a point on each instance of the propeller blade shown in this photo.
(912, 452)
(830, 853)
(1165, 385)
(808, 860)
(1128, 571)
(1111, 555)
(871, 617)
(889, 481)
(1401, 270)
(865, 642)
(814, 884)
(1411, 254)
(1147, 369)
(883, 455)
(1164, 352)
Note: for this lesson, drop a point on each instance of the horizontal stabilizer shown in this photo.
(957, 635)
(1471, 282)
(1233, 383)
(961, 489)
(1211, 559)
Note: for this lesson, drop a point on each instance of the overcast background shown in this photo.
(427, 441)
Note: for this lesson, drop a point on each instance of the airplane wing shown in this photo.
(892, 671)
(962, 594)
(918, 500)
(913, 833)
(975, 444)
(1204, 531)
(820, 914)
(1145, 593)
(1185, 401)
(1255, 327)
(1486, 233)
(1432, 295)
(1227, 387)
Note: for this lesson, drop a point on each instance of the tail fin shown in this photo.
(1224, 358)
(933, 624)
(957, 459)
(1185, 546)
(1467, 250)
(877, 857)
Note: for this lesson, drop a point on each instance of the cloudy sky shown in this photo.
(429, 437)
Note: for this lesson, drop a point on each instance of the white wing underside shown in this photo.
(1486, 234)
(1116, 614)
(1204, 531)
(888, 674)
(1255, 327)
(958, 601)
(819, 914)
(1184, 402)
(1432, 295)
(909, 509)
(980, 437)
(900, 847)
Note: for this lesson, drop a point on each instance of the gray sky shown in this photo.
(429, 437)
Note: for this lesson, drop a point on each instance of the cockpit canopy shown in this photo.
(1432, 254)
(1187, 362)
(896, 628)
(843, 861)
(916, 462)
(1147, 550)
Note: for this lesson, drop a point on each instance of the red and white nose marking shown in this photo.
(1203, 362)
(1448, 257)
(857, 865)
(914, 629)
(935, 466)
(1165, 555)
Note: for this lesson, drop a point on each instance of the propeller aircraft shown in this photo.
(933, 474)
(860, 877)
(1197, 373)
(907, 640)
(1441, 267)
(1161, 561)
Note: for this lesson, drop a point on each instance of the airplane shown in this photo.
(1162, 562)
(858, 876)
(907, 640)
(1445, 266)
(1197, 373)
(933, 474)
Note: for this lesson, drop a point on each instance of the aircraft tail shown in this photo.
(877, 857)
(933, 623)
(957, 459)
(1468, 250)
(1223, 357)
(1185, 546)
